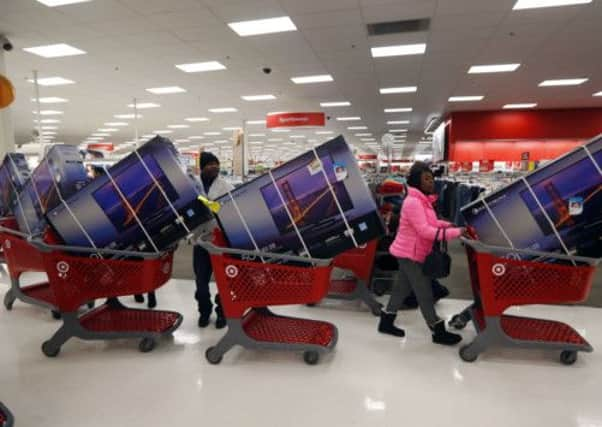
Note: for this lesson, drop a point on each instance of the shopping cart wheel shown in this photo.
(147, 345)
(458, 322)
(9, 300)
(211, 357)
(311, 357)
(56, 314)
(568, 357)
(50, 350)
(467, 355)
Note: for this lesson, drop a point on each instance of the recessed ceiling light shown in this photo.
(49, 121)
(534, 4)
(520, 106)
(55, 3)
(108, 130)
(144, 105)
(256, 122)
(398, 50)
(335, 104)
(324, 132)
(281, 130)
(398, 122)
(51, 100)
(178, 126)
(496, 68)
(200, 67)
(466, 98)
(127, 116)
(357, 127)
(49, 113)
(223, 110)
(598, 93)
(98, 134)
(403, 89)
(348, 119)
(212, 133)
(54, 50)
(165, 90)
(196, 137)
(398, 110)
(162, 132)
(258, 97)
(397, 130)
(53, 81)
(563, 82)
(118, 124)
(197, 119)
(263, 26)
(312, 79)
(363, 134)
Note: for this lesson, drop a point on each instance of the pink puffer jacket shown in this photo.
(418, 227)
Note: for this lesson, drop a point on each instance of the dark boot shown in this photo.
(220, 322)
(139, 298)
(152, 300)
(439, 291)
(204, 320)
(386, 325)
(441, 336)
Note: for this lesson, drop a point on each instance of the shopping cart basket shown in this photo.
(77, 275)
(6, 418)
(21, 257)
(360, 262)
(247, 287)
(499, 282)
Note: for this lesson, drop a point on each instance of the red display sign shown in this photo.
(485, 165)
(101, 146)
(466, 166)
(366, 156)
(287, 120)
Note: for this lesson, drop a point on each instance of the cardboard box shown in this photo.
(14, 173)
(316, 205)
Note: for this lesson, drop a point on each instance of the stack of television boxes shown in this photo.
(14, 173)
(556, 208)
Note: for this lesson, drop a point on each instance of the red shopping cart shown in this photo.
(499, 281)
(77, 275)
(249, 281)
(6, 418)
(21, 257)
(360, 262)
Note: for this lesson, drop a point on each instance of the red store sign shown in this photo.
(287, 120)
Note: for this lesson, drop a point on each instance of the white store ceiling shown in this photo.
(132, 45)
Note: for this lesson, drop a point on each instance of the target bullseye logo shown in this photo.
(231, 271)
(7, 244)
(63, 268)
(498, 270)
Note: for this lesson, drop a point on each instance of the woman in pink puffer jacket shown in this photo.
(414, 241)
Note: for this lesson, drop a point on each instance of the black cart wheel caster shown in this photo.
(568, 357)
(467, 355)
(49, 350)
(56, 315)
(211, 357)
(457, 322)
(311, 357)
(147, 345)
(8, 302)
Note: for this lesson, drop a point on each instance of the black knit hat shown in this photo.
(416, 173)
(207, 157)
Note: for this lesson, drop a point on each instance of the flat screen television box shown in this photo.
(132, 206)
(302, 206)
(60, 174)
(555, 208)
(14, 173)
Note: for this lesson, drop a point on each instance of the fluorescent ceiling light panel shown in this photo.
(148, 135)
(54, 50)
(144, 105)
(118, 124)
(178, 126)
(232, 128)
(48, 121)
(49, 113)
(256, 143)
(212, 133)
(281, 130)
(258, 97)
(598, 93)
(466, 98)
(49, 132)
(535, 4)
(96, 138)
(51, 100)
(520, 106)
(108, 130)
(201, 67)
(196, 137)
(256, 135)
(398, 50)
(53, 81)
(363, 134)
(297, 136)
(49, 127)
(563, 82)
(324, 132)
(335, 104)
(127, 116)
(162, 132)
(100, 134)
(197, 119)
(348, 119)
(223, 110)
(274, 139)
(312, 79)
(495, 68)
(401, 89)
(182, 140)
(256, 122)
(357, 127)
(367, 139)
(397, 130)
(55, 3)
(263, 26)
(398, 110)
(165, 90)
(221, 141)
(398, 122)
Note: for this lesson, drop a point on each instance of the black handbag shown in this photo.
(437, 264)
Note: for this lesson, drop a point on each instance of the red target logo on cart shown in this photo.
(63, 268)
(7, 244)
(498, 270)
(231, 271)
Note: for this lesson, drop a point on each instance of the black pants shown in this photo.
(201, 262)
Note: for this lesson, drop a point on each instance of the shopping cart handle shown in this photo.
(45, 247)
(213, 249)
(482, 247)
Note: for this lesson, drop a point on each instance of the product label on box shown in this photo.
(575, 206)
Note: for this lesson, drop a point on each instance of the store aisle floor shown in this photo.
(370, 380)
